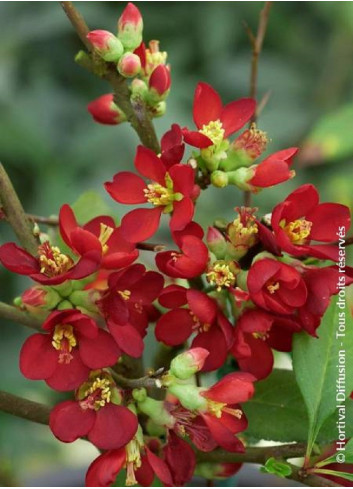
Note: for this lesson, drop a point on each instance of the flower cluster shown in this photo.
(225, 298)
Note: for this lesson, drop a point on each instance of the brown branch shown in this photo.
(17, 316)
(135, 111)
(15, 214)
(348, 241)
(256, 45)
(146, 381)
(23, 408)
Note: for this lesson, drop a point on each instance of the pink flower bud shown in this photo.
(106, 44)
(38, 297)
(216, 242)
(129, 65)
(104, 110)
(188, 363)
(130, 26)
(160, 81)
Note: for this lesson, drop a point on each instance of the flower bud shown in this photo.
(40, 297)
(188, 395)
(243, 232)
(104, 110)
(251, 142)
(219, 179)
(129, 65)
(85, 299)
(154, 409)
(138, 87)
(158, 110)
(130, 26)
(106, 44)
(241, 178)
(188, 363)
(216, 242)
(159, 83)
(64, 305)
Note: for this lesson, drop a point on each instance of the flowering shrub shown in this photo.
(219, 305)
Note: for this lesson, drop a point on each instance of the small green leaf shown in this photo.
(89, 205)
(273, 466)
(347, 453)
(335, 473)
(316, 362)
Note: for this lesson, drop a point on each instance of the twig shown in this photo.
(13, 314)
(146, 381)
(135, 112)
(15, 214)
(348, 241)
(23, 408)
(256, 45)
(262, 104)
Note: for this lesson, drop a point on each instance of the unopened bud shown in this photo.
(216, 242)
(130, 26)
(219, 179)
(158, 110)
(159, 83)
(40, 297)
(64, 305)
(154, 409)
(105, 111)
(129, 65)
(188, 395)
(106, 44)
(138, 87)
(85, 299)
(188, 363)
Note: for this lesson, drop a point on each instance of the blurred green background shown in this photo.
(54, 152)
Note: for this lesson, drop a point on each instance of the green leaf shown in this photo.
(316, 361)
(279, 398)
(330, 140)
(90, 204)
(335, 473)
(273, 466)
(348, 456)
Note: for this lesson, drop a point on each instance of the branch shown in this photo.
(15, 214)
(256, 44)
(17, 316)
(348, 241)
(23, 408)
(146, 381)
(135, 111)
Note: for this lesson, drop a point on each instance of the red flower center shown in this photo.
(97, 394)
(298, 231)
(198, 326)
(272, 287)
(64, 341)
(52, 261)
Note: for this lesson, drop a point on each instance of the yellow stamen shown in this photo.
(217, 408)
(102, 385)
(133, 461)
(124, 294)
(297, 231)
(105, 233)
(214, 131)
(220, 275)
(52, 261)
(260, 336)
(273, 287)
(61, 332)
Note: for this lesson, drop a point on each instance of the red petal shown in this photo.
(104, 469)
(128, 339)
(183, 177)
(114, 427)
(127, 188)
(260, 361)
(201, 305)
(17, 260)
(67, 223)
(141, 224)
(69, 422)
(207, 105)
(214, 342)
(94, 225)
(144, 474)
(173, 296)
(270, 173)
(149, 165)
(196, 139)
(327, 219)
(100, 352)
(83, 242)
(236, 114)
(38, 358)
(88, 264)
(232, 389)
(174, 327)
(181, 459)
(298, 204)
(160, 468)
(147, 289)
(68, 376)
(183, 212)
(223, 436)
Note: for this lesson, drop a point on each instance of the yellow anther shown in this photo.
(220, 275)
(64, 332)
(297, 231)
(157, 195)
(52, 261)
(104, 235)
(102, 388)
(217, 408)
(214, 131)
(273, 287)
(124, 294)
(154, 56)
(253, 141)
(260, 336)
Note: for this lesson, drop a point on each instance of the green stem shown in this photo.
(15, 214)
(17, 316)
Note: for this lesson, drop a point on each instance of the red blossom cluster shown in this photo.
(231, 297)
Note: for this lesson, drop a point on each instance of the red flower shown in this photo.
(51, 267)
(273, 170)
(116, 251)
(255, 334)
(214, 121)
(276, 287)
(104, 110)
(126, 305)
(223, 415)
(169, 192)
(203, 317)
(300, 219)
(160, 81)
(192, 259)
(175, 469)
(96, 414)
(64, 357)
(106, 45)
